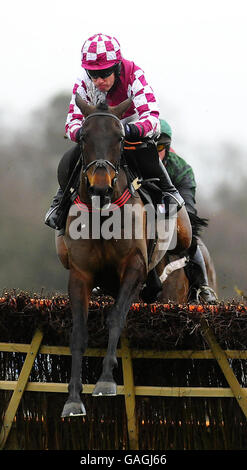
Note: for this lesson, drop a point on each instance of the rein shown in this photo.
(101, 113)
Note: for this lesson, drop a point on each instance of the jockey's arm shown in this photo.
(143, 124)
(146, 123)
(75, 118)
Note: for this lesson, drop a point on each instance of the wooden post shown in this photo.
(129, 393)
(20, 387)
(221, 357)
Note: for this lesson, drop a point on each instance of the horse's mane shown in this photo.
(102, 106)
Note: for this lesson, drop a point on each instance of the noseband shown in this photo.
(101, 162)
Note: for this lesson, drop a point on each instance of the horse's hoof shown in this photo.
(105, 389)
(73, 409)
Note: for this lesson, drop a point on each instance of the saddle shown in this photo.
(147, 188)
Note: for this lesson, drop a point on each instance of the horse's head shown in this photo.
(101, 139)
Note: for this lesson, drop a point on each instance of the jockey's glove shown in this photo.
(132, 132)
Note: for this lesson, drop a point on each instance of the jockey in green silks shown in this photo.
(182, 177)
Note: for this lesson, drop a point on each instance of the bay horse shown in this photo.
(118, 265)
(175, 285)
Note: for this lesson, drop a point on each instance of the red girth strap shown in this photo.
(119, 202)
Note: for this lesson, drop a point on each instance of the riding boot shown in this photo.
(199, 279)
(151, 167)
(53, 215)
(171, 198)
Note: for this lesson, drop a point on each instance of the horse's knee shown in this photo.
(184, 230)
(62, 251)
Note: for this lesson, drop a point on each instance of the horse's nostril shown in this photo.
(100, 191)
(91, 191)
(109, 191)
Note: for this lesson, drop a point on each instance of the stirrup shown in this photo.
(204, 288)
(175, 203)
(51, 218)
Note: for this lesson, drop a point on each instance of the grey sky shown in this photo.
(193, 53)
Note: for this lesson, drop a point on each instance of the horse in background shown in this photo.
(176, 278)
(176, 287)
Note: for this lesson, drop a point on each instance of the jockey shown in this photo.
(182, 176)
(107, 76)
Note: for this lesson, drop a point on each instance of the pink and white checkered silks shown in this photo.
(143, 112)
(100, 52)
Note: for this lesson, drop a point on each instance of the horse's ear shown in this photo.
(121, 108)
(85, 108)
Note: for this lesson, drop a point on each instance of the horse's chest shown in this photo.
(100, 253)
(112, 251)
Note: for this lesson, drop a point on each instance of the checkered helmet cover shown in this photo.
(100, 52)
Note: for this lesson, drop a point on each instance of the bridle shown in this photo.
(101, 162)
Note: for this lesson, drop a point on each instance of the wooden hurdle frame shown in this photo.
(128, 389)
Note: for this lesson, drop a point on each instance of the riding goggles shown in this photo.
(161, 147)
(104, 73)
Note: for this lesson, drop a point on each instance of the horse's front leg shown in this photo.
(133, 278)
(79, 292)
